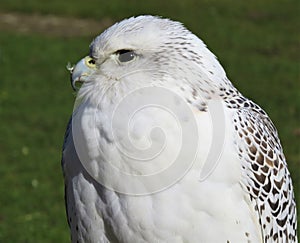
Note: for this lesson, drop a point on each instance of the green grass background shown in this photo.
(257, 42)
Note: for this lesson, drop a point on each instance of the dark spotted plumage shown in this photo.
(264, 169)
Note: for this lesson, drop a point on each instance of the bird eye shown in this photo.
(126, 55)
(90, 62)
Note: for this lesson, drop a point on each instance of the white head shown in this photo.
(148, 51)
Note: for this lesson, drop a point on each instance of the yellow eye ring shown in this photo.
(90, 62)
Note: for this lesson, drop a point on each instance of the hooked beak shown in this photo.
(81, 71)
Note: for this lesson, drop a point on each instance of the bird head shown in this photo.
(147, 51)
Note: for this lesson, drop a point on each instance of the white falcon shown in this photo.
(161, 147)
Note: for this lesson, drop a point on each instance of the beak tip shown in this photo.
(73, 82)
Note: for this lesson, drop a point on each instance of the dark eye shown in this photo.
(92, 61)
(126, 55)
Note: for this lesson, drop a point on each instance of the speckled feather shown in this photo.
(265, 173)
(256, 189)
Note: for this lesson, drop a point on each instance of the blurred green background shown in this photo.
(257, 42)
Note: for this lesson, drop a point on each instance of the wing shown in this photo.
(265, 174)
(80, 190)
(66, 140)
